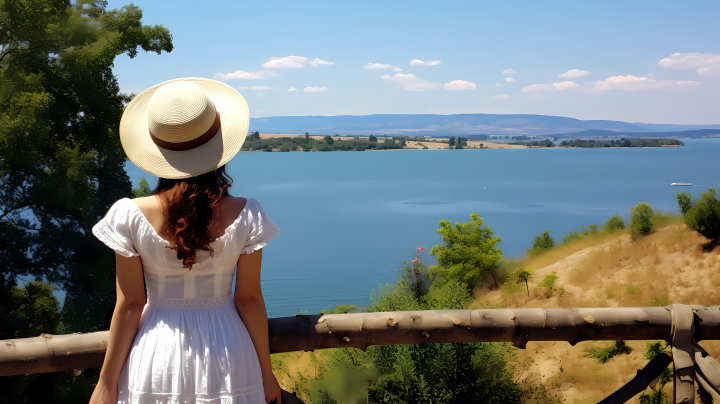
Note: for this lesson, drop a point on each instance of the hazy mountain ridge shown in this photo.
(438, 125)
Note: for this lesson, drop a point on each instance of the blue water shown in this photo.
(349, 218)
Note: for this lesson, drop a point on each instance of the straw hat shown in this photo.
(184, 127)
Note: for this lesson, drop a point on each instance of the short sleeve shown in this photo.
(114, 228)
(260, 229)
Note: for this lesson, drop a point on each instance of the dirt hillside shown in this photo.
(670, 266)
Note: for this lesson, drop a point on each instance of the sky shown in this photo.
(635, 61)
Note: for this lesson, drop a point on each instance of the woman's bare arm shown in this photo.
(123, 327)
(251, 306)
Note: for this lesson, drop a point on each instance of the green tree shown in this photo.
(307, 136)
(329, 140)
(33, 311)
(468, 253)
(451, 142)
(704, 216)
(372, 138)
(144, 189)
(61, 162)
(614, 223)
(541, 243)
(524, 275)
(684, 200)
(641, 221)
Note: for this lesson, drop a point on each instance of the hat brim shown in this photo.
(164, 163)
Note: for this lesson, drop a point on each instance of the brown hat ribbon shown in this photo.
(190, 144)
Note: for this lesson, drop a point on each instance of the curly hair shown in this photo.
(189, 203)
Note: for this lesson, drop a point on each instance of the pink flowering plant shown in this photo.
(415, 274)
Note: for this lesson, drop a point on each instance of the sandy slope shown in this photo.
(612, 271)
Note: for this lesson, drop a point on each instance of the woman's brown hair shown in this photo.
(189, 202)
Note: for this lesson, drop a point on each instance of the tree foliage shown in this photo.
(468, 253)
(143, 190)
(541, 243)
(609, 352)
(524, 275)
(61, 162)
(424, 373)
(703, 215)
(614, 223)
(684, 200)
(641, 221)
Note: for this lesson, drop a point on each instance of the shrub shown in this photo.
(607, 353)
(614, 223)
(641, 222)
(541, 243)
(549, 282)
(684, 201)
(704, 216)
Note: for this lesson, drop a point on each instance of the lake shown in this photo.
(349, 218)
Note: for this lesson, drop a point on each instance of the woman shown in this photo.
(191, 341)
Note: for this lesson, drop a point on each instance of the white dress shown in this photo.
(191, 346)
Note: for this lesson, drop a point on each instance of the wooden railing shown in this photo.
(679, 325)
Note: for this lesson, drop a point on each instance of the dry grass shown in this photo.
(609, 270)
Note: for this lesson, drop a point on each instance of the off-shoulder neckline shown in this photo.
(228, 229)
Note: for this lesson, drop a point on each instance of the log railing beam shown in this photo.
(360, 330)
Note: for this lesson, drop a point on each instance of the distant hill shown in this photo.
(445, 125)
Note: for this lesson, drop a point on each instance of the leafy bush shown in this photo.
(607, 353)
(660, 396)
(549, 280)
(441, 372)
(641, 222)
(144, 189)
(541, 243)
(468, 254)
(614, 223)
(703, 215)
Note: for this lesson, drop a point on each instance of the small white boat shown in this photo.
(682, 184)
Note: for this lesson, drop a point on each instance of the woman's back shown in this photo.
(136, 228)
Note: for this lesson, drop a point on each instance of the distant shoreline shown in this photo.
(285, 142)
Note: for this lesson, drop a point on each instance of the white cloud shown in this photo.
(510, 80)
(293, 62)
(292, 89)
(709, 70)
(632, 83)
(624, 83)
(707, 64)
(540, 88)
(459, 85)
(501, 97)
(418, 62)
(397, 69)
(498, 84)
(509, 71)
(377, 66)
(239, 74)
(574, 73)
(260, 95)
(317, 62)
(256, 88)
(315, 89)
(410, 82)
(650, 74)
